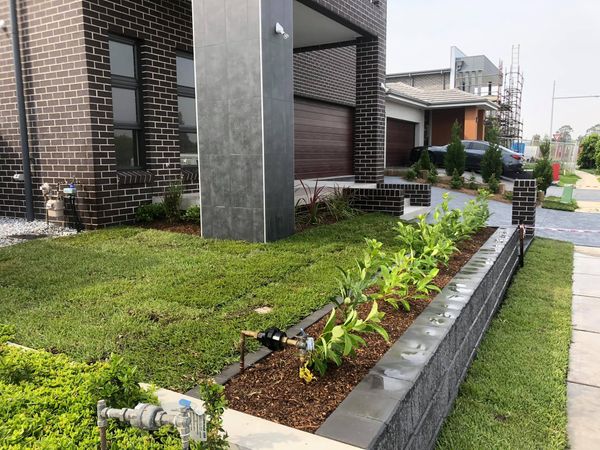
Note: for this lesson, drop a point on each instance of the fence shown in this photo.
(563, 152)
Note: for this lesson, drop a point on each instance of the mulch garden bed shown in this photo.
(175, 227)
(271, 389)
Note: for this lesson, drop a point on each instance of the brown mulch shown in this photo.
(271, 389)
(177, 227)
(497, 197)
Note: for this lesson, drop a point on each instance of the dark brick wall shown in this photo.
(524, 204)
(384, 199)
(418, 194)
(328, 75)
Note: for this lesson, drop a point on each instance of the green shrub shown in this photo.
(424, 162)
(433, 177)
(586, 159)
(456, 156)
(491, 163)
(598, 157)
(472, 182)
(339, 204)
(493, 183)
(456, 182)
(150, 213)
(173, 202)
(411, 174)
(192, 214)
(542, 172)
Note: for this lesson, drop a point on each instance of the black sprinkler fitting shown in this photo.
(272, 338)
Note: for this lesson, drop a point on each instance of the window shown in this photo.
(127, 103)
(186, 99)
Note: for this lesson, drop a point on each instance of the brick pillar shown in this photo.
(524, 203)
(369, 115)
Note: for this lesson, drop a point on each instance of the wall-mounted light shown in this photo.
(2, 24)
(279, 30)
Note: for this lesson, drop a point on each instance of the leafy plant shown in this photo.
(192, 214)
(312, 201)
(338, 341)
(588, 148)
(491, 163)
(411, 174)
(493, 183)
(508, 195)
(456, 156)
(339, 204)
(472, 182)
(215, 403)
(456, 182)
(424, 162)
(150, 213)
(173, 201)
(433, 177)
(542, 171)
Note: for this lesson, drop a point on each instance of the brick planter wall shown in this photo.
(385, 199)
(418, 194)
(403, 401)
(524, 204)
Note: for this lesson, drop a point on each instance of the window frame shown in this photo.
(187, 92)
(135, 84)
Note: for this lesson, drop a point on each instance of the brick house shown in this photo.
(111, 101)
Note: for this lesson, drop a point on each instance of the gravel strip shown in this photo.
(14, 231)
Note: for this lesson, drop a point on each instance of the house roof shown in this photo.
(436, 99)
(418, 73)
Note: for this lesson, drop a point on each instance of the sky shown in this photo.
(560, 40)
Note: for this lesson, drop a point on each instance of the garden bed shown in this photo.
(271, 389)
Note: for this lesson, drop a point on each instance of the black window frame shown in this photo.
(135, 84)
(187, 92)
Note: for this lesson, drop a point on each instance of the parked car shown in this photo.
(512, 162)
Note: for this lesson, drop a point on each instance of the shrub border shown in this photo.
(403, 401)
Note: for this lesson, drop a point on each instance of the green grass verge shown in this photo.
(551, 202)
(171, 304)
(514, 395)
(568, 178)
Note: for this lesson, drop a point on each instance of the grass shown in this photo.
(552, 202)
(514, 395)
(172, 304)
(568, 178)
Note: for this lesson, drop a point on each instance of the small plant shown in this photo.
(424, 162)
(192, 214)
(508, 195)
(338, 341)
(542, 171)
(456, 156)
(411, 174)
(172, 202)
(150, 213)
(433, 177)
(311, 201)
(214, 403)
(339, 204)
(456, 182)
(472, 182)
(493, 184)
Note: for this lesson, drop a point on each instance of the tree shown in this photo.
(586, 159)
(564, 133)
(491, 163)
(542, 171)
(455, 153)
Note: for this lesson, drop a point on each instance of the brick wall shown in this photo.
(55, 84)
(328, 75)
(524, 204)
(386, 199)
(418, 194)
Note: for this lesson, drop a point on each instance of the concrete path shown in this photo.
(587, 180)
(583, 380)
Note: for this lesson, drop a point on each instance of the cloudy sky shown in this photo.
(560, 40)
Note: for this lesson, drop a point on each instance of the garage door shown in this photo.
(400, 140)
(322, 139)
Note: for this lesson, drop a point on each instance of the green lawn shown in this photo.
(551, 202)
(568, 178)
(514, 396)
(171, 304)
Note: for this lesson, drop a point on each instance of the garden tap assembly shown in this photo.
(275, 339)
(189, 421)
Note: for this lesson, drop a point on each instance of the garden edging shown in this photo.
(405, 398)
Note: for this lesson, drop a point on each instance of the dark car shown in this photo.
(512, 162)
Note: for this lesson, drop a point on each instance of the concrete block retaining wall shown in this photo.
(404, 400)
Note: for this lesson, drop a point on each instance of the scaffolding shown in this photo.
(511, 126)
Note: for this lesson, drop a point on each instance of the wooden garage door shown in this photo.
(400, 140)
(322, 139)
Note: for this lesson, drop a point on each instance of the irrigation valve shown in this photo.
(190, 420)
(275, 339)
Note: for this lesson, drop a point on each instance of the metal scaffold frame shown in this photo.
(511, 125)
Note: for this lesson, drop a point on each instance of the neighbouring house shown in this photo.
(421, 106)
(418, 117)
(234, 98)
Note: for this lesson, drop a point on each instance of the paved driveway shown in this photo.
(502, 216)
